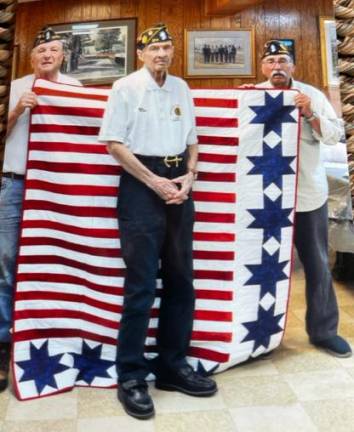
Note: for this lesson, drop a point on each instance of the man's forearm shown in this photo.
(28, 100)
(328, 131)
(316, 125)
(130, 163)
(11, 121)
(192, 157)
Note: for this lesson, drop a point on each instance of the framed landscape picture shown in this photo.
(98, 52)
(329, 54)
(219, 53)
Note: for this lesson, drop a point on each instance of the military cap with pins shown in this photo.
(46, 34)
(157, 33)
(274, 47)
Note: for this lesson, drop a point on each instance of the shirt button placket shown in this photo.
(161, 106)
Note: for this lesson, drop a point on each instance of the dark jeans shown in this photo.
(311, 241)
(153, 232)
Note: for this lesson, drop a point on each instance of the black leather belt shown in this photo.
(168, 161)
(13, 175)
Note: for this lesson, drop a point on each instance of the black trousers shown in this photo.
(152, 232)
(311, 241)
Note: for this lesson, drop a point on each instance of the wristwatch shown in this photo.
(313, 116)
(194, 172)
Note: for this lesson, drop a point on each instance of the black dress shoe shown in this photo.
(5, 351)
(136, 401)
(186, 380)
(336, 346)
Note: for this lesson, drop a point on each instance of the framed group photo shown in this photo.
(98, 52)
(219, 53)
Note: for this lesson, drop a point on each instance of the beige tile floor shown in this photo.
(298, 389)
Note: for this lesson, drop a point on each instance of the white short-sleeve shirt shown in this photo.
(148, 119)
(15, 156)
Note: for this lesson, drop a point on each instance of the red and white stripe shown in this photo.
(70, 271)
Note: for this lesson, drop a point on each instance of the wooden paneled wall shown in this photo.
(296, 19)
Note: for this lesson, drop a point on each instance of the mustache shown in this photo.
(280, 72)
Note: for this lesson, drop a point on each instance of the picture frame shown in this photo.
(329, 53)
(98, 52)
(290, 45)
(14, 65)
(213, 53)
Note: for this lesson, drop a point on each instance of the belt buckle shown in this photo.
(172, 159)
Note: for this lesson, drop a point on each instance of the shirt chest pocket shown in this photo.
(176, 113)
(140, 118)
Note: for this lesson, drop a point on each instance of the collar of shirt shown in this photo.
(268, 84)
(152, 84)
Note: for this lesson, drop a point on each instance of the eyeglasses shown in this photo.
(281, 61)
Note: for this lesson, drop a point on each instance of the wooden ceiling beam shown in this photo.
(228, 7)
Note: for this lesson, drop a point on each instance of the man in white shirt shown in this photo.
(46, 58)
(150, 129)
(319, 124)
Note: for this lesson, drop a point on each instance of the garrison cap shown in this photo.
(274, 47)
(47, 34)
(157, 33)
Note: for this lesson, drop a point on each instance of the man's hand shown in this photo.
(166, 189)
(247, 86)
(27, 100)
(186, 183)
(303, 102)
(173, 191)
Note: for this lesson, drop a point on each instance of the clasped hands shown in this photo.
(174, 191)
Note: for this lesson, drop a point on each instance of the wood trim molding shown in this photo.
(227, 7)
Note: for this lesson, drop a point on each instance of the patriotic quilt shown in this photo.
(70, 275)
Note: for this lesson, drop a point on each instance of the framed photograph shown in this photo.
(290, 45)
(219, 53)
(98, 52)
(329, 54)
